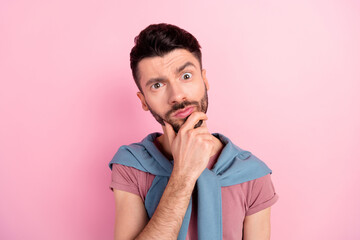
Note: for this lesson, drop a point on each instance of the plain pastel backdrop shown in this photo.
(284, 84)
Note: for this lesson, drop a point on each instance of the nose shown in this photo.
(177, 94)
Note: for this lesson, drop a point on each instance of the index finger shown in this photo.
(169, 132)
(193, 120)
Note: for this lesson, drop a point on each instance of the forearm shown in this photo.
(167, 219)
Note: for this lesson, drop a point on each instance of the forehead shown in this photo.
(154, 67)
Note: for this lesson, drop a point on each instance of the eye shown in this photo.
(186, 76)
(157, 85)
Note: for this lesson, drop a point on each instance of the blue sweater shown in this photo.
(234, 166)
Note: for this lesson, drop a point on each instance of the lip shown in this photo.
(183, 113)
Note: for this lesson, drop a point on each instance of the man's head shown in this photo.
(159, 40)
(166, 66)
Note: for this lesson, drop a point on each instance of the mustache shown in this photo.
(181, 105)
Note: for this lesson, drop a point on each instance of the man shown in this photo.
(185, 183)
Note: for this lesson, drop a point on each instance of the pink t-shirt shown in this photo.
(238, 200)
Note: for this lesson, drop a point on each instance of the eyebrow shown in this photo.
(187, 64)
(162, 80)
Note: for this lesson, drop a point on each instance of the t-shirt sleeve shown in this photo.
(124, 178)
(131, 180)
(261, 195)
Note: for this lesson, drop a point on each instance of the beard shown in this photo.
(200, 106)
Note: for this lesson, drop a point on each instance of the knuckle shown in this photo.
(206, 144)
(199, 140)
(181, 132)
(191, 133)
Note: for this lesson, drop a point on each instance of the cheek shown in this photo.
(157, 105)
(198, 90)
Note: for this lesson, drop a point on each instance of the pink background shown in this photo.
(284, 84)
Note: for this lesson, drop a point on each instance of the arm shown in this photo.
(130, 215)
(191, 149)
(131, 221)
(257, 225)
(167, 219)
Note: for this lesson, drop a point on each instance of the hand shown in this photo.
(191, 147)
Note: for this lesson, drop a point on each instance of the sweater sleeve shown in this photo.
(261, 195)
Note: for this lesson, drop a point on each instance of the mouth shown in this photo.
(183, 113)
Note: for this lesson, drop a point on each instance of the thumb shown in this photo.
(169, 132)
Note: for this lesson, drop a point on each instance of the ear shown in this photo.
(142, 100)
(203, 74)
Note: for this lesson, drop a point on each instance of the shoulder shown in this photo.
(258, 182)
(129, 155)
(253, 164)
(237, 165)
(135, 154)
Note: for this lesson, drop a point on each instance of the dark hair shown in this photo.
(158, 40)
